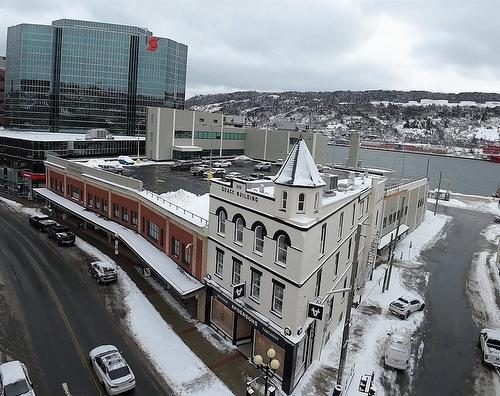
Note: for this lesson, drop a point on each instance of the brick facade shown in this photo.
(181, 243)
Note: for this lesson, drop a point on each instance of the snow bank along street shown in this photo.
(371, 321)
(178, 365)
(173, 359)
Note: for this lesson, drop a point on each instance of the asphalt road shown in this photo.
(52, 314)
(450, 353)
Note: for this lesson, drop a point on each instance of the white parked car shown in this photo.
(216, 172)
(262, 166)
(405, 305)
(103, 271)
(398, 351)
(112, 369)
(489, 341)
(222, 164)
(15, 380)
(232, 175)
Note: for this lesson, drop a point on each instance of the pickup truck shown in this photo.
(62, 235)
(489, 341)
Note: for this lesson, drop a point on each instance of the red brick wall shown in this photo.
(199, 271)
(185, 238)
(98, 196)
(55, 182)
(75, 185)
(124, 203)
(148, 216)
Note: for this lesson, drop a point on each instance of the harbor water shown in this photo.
(460, 175)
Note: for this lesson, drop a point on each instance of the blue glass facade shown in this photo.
(78, 75)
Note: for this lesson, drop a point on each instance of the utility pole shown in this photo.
(345, 335)
(391, 259)
(438, 192)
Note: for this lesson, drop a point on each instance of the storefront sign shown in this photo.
(238, 291)
(315, 311)
(261, 326)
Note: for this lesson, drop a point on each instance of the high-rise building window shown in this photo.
(341, 225)
(322, 240)
(301, 205)
(284, 197)
(281, 249)
(153, 231)
(221, 224)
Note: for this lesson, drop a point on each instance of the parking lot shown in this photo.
(160, 178)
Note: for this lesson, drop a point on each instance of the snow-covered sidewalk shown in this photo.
(371, 321)
(470, 202)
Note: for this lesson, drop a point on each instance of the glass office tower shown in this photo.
(78, 75)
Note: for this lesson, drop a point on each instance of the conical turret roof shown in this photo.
(299, 169)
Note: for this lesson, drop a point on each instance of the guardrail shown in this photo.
(170, 204)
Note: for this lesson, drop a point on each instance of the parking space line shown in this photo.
(66, 389)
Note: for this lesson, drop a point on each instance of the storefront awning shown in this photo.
(182, 282)
(188, 149)
(386, 239)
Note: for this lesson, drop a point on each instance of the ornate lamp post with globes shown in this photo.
(268, 369)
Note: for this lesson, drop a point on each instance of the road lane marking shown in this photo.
(66, 389)
(62, 313)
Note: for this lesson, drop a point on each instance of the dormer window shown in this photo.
(284, 197)
(301, 205)
(316, 202)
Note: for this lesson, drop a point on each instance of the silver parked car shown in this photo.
(112, 369)
(489, 341)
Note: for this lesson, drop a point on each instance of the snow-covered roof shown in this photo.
(59, 136)
(299, 169)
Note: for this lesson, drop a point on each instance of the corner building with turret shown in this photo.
(276, 245)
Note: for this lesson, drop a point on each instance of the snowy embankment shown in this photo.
(371, 321)
(470, 202)
(177, 364)
(484, 292)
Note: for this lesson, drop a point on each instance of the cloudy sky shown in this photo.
(307, 45)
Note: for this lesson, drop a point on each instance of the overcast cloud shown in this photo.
(307, 45)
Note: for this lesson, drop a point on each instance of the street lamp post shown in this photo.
(268, 369)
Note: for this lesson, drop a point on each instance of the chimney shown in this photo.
(352, 161)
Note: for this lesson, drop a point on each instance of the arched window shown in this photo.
(221, 225)
(282, 244)
(316, 202)
(238, 230)
(258, 245)
(302, 200)
(284, 197)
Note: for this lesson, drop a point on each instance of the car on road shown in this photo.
(398, 350)
(182, 165)
(216, 172)
(42, 222)
(496, 219)
(232, 175)
(222, 164)
(406, 305)
(279, 162)
(262, 166)
(198, 170)
(112, 369)
(15, 380)
(103, 271)
(125, 160)
(62, 235)
(489, 341)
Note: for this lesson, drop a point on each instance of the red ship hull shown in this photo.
(495, 158)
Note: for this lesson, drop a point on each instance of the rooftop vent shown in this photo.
(331, 183)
